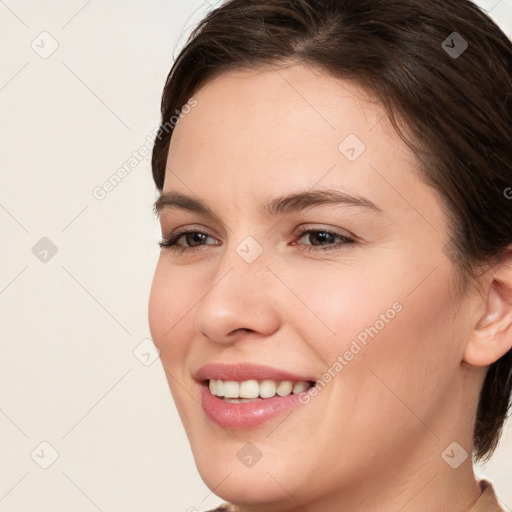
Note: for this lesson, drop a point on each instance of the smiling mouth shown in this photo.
(253, 390)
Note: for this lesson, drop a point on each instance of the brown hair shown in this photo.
(458, 109)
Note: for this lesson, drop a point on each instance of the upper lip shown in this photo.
(246, 371)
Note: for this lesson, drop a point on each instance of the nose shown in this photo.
(239, 297)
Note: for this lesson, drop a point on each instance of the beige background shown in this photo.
(74, 369)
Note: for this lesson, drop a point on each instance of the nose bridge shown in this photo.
(245, 253)
(240, 293)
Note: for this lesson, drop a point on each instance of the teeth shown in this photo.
(284, 388)
(248, 389)
(267, 389)
(231, 389)
(300, 386)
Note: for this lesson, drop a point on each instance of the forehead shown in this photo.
(293, 102)
(259, 132)
(280, 113)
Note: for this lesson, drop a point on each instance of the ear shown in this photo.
(491, 336)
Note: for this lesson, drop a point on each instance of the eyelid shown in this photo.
(346, 241)
(191, 228)
(329, 229)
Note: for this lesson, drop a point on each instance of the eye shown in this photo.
(191, 237)
(323, 239)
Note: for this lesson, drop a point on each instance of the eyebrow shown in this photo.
(296, 202)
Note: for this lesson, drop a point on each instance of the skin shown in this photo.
(372, 439)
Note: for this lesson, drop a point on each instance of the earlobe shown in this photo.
(491, 336)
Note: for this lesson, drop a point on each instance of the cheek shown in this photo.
(169, 312)
(169, 316)
(408, 336)
(340, 305)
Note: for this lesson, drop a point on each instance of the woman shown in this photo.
(333, 298)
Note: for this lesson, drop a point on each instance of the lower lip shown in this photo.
(246, 414)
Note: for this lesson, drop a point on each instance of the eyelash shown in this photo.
(170, 242)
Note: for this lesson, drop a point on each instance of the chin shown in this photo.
(231, 480)
(249, 489)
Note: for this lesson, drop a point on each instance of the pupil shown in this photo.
(194, 237)
(322, 236)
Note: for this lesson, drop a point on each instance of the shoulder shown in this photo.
(488, 502)
(225, 507)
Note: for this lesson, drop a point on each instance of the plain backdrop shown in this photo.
(87, 421)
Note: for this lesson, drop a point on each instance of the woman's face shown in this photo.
(379, 315)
